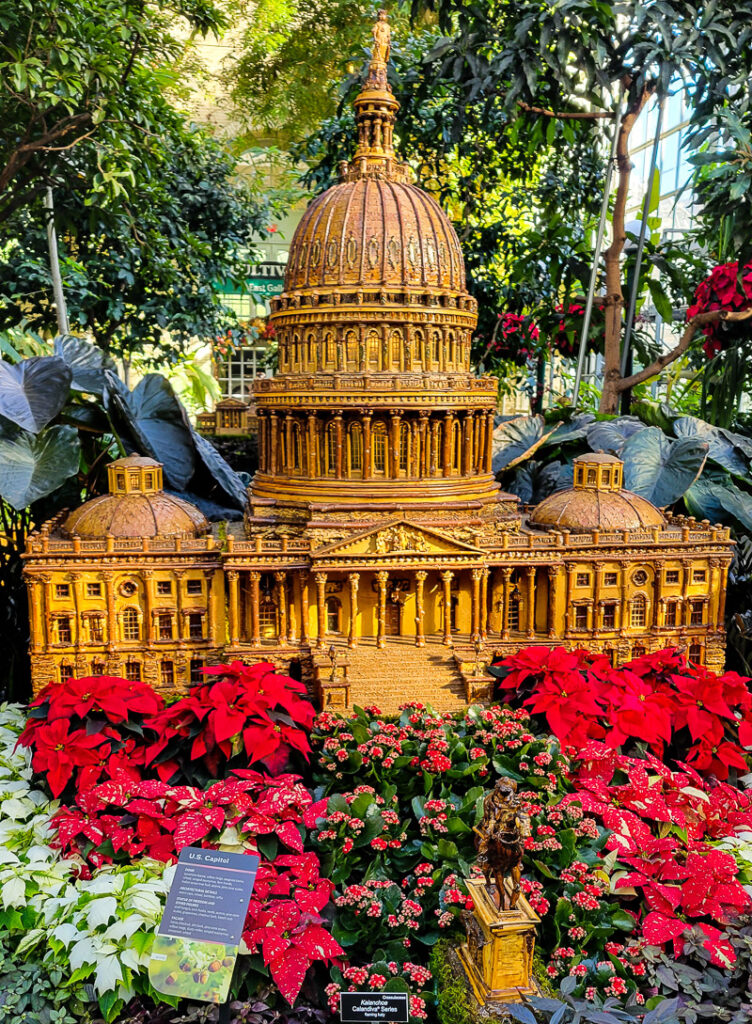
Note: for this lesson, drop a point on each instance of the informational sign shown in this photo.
(196, 947)
(365, 1007)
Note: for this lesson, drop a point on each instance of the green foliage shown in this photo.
(452, 1002)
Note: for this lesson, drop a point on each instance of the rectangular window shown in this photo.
(583, 579)
(64, 633)
(164, 626)
(167, 673)
(695, 653)
(696, 610)
(164, 587)
(133, 671)
(97, 668)
(672, 576)
(193, 587)
(513, 615)
(66, 673)
(609, 616)
(96, 631)
(699, 576)
(62, 590)
(196, 627)
(610, 579)
(580, 616)
(196, 673)
(672, 613)
(93, 589)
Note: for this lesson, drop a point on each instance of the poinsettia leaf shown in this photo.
(191, 827)
(318, 944)
(288, 971)
(659, 929)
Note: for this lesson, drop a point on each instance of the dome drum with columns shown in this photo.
(377, 554)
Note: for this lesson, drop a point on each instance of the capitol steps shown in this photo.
(401, 672)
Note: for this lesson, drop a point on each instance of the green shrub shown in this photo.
(452, 1000)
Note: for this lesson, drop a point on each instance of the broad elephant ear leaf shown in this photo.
(219, 472)
(34, 391)
(661, 470)
(34, 465)
(571, 430)
(720, 449)
(534, 481)
(87, 363)
(516, 440)
(703, 499)
(612, 435)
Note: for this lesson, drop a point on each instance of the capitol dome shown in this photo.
(135, 507)
(597, 501)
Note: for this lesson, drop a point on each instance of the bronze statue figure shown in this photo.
(500, 842)
(382, 40)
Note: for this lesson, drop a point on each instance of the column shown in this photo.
(209, 577)
(506, 573)
(596, 598)
(420, 579)
(686, 574)
(281, 604)
(312, 445)
(446, 578)
(274, 426)
(289, 458)
(489, 442)
(147, 576)
(479, 459)
(530, 571)
(435, 454)
(570, 587)
(467, 454)
(366, 421)
(484, 605)
(76, 585)
(424, 455)
(303, 586)
(233, 608)
(262, 440)
(353, 580)
(320, 578)
(36, 616)
(554, 572)
(416, 449)
(339, 441)
(382, 578)
(292, 616)
(721, 618)
(255, 578)
(446, 455)
(624, 610)
(395, 445)
(182, 624)
(109, 592)
(476, 574)
(658, 618)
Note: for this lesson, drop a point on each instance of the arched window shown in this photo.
(396, 350)
(296, 349)
(351, 350)
(332, 615)
(451, 348)
(372, 346)
(418, 353)
(639, 610)
(355, 455)
(329, 348)
(310, 354)
(404, 447)
(378, 443)
(331, 449)
(456, 447)
(436, 354)
(295, 454)
(131, 625)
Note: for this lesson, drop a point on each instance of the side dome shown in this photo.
(372, 232)
(136, 506)
(596, 501)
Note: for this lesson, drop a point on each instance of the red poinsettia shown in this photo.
(722, 289)
(60, 751)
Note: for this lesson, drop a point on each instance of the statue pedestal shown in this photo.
(498, 954)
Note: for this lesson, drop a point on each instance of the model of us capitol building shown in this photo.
(378, 559)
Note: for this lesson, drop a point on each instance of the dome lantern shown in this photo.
(599, 472)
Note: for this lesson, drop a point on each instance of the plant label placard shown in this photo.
(367, 1007)
(196, 946)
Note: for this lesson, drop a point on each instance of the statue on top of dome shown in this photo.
(382, 40)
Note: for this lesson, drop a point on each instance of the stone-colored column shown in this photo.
(281, 580)
(479, 454)
(292, 614)
(182, 623)
(686, 575)
(233, 606)
(209, 577)
(530, 571)
(303, 587)
(596, 625)
(467, 453)
(420, 611)
(36, 616)
(571, 569)
(416, 450)
(395, 445)
(424, 456)
(353, 579)
(109, 593)
(506, 574)
(366, 421)
(446, 579)
(477, 575)
(446, 455)
(320, 578)
(148, 578)
(255, 579)
(435, 457)
(721, 616)
(382, 578)
(75, 579)
(489, 442)
(273, 428)
(262, 441)
(624, 610)
(554, 573)
(312, 445)
(484, 604)
(339, 441)
(289, 455)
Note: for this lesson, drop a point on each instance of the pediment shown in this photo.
(399, 537)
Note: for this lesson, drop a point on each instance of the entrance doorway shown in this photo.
(392, 620)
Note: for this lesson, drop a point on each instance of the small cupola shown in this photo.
(134, 474)
(598, 472)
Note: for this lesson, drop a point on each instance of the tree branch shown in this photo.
(663, 361)
(565, 115)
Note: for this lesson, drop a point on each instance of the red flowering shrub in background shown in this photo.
(723, 290)
(678, 709)
(515, 337)
(567, 328)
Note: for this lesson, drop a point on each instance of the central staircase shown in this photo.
(402, 672)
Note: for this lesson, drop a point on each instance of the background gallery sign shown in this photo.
(196, 947)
